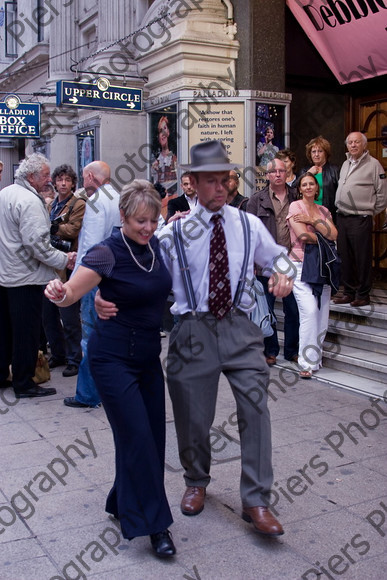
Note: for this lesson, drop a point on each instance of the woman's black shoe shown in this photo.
(162, 544)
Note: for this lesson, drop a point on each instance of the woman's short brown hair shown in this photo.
(137, 193)
(284, 153)
(319, 141)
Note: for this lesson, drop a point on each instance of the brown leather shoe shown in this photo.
(271, 360)
(345, 299)
(193, 501)
(263, 520)
(360, 302)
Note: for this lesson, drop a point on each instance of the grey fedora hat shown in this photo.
(209, 156)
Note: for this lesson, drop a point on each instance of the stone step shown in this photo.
(343, 380)
(364, 328)
(350, 330)
(355, 348)
(356, 361)
(374, 315)
(379, 293)
(358, 336)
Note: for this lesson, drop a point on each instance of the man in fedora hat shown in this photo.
(214, 333)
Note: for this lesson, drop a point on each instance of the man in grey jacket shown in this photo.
(27, 263)
(271, 206)
(361, 194)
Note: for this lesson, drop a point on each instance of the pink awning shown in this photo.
(350, 35)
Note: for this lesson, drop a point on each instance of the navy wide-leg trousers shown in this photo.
(126, 367)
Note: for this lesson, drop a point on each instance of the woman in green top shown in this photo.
(318, 151)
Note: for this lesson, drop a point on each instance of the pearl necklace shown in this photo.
(134, 259)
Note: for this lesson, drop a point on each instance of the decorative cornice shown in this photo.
(195, 49)
(22, 68)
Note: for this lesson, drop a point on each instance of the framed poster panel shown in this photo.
(222, 121)
(163, 140)
(15, 167)
(269, 136)
(85, 151)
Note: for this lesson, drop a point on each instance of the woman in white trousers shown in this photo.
(305, 218)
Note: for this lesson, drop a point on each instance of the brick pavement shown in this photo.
(329, 492)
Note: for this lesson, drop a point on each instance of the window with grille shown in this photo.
(11, 29)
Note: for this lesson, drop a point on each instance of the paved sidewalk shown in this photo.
(329, 493)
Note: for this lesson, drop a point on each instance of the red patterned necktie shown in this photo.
(219, 298)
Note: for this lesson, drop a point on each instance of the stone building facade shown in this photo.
(172, 50)
(159, 46)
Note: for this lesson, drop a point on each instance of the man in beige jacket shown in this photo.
(27, 263)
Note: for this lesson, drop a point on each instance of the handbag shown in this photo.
(42, 370)
(262, 315)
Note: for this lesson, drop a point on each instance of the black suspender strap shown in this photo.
(183, 264)
(247, 244)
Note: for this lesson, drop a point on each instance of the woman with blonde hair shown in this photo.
(124, 360)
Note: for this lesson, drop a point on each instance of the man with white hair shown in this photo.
(361, 194)
(27, 263)
(101, 215)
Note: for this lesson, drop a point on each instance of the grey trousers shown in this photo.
(200, 348)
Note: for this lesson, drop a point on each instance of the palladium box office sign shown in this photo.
(100, 95)
(19, 119)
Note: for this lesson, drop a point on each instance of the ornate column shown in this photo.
(58, 123)
(63, 37)
(117, 19)
(191, 47)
